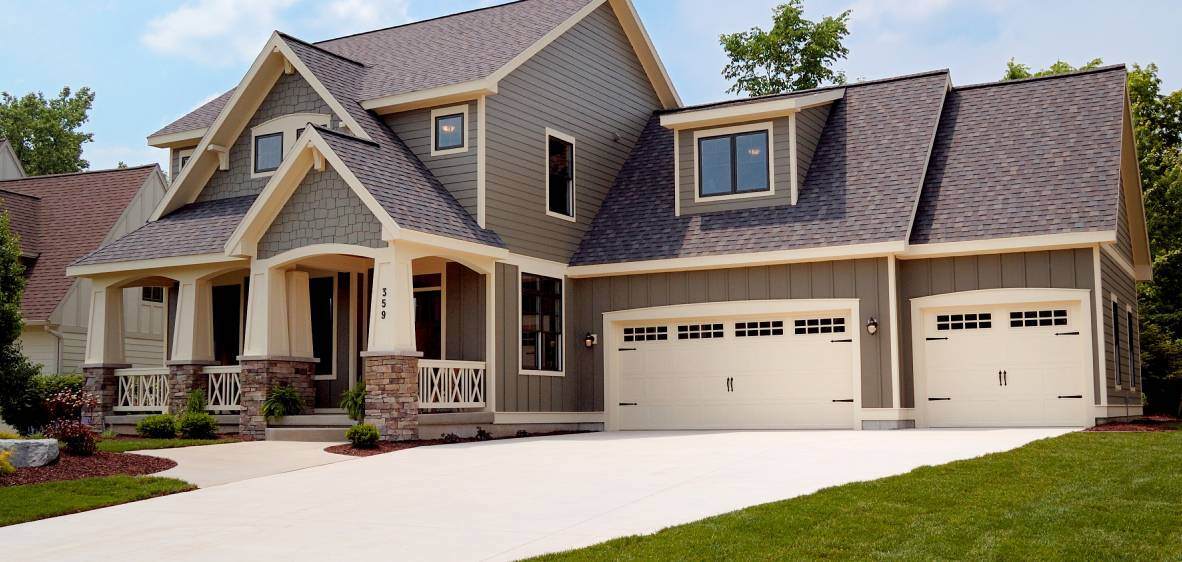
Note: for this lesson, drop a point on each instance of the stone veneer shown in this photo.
(183, 379)
(100, 383)
(257, 379)
(392, 396)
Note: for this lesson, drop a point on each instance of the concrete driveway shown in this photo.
(494, 501)
(214, 465)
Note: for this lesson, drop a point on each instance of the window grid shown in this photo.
(699, 331)
(1036, 318)
(969, 321)
(760, 328)
(541, 323)
(646, 333)
(819, 326)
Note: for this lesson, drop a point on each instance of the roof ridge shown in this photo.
(343, 135)
(1097, 70)
(319, 48)
(83, 172)
(410, 23)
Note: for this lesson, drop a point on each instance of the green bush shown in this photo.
(161, 426)
(196, 401)
(23, 395)
(77, 438)
(353, 402)
(47, 385)
(363, 436)
(5, 464)
(198, 425)
(283, 400)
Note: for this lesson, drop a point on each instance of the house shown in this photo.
(60, 218)
(506, 218)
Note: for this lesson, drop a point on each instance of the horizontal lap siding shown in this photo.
(457, 172)
(588, 84)
(1063, 269)
(1115, 280)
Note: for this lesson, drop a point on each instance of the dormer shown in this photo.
(748, 153)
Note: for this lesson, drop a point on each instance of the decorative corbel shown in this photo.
(317, 159)
(223, 155)
(287, 67)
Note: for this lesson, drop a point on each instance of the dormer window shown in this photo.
(449, 130)
(268, 152)
(272, 140)
(734, 162)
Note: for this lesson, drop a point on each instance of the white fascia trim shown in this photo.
(748, 111)
(470, 90)
(1110, 250)
(167, 140)
(647, 52)
(825, 253)
(462, 246)
(1015, 244)
(548, 417)
(154, 263)
(461, 110)
(734, 130)
(1098, 327)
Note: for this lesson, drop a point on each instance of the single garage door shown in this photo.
(782, 372)
(999, 365)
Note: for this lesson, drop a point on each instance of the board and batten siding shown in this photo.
(1060, 269)
(465, 328)
(581, 389)
(588, 84)
(1115, 281)
(457, 172)
(809, 125)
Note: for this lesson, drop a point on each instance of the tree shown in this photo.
(1157, 119)
(45, 132)
(796, 54)
(16, 373)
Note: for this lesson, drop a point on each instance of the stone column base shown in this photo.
(183, 379)
(392, 395)
(257, 379)
(100, 383)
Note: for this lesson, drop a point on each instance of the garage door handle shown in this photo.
(930, 399)
(844, 400)
(934, 339)
(628, 403)
(1067, 333)
(1072, 396)
(841, 341)
(626, 349)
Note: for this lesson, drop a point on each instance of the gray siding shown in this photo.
(1114, 280)
(1124, 238)
(1063, 269)
(457, 172)
(465, 312)
(290, 94)
(587, 299)
(322, 210)
(809, 125)
(589, 84)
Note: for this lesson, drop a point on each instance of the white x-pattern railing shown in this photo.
(451, 384)
(225, 388)
(142, 390)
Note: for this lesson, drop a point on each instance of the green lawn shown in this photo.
(19, 504)
(1082, 496)
(125, 445)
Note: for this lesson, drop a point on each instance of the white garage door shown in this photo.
(999, 365)
(780, 372)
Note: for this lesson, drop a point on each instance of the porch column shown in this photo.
(104, 350)
(392, 359)
(192, 341)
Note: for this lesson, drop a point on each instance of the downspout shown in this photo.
(57, 349)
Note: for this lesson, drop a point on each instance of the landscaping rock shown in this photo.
(30, 452)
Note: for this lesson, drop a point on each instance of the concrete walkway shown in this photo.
(498, 500)
(212, 465)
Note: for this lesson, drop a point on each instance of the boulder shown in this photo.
(30, 452)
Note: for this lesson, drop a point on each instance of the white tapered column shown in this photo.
(392, 318)
(104, 335)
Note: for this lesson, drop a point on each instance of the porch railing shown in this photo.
(451, 384)
(225, 388)
(142, 390)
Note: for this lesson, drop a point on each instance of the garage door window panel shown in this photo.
(759, 328)
(807, 326)
(965, 321)
(700, 331)
(646, 333)
(1038, 318)
(541, 323)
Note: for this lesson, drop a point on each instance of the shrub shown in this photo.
(198, 425)
(76, 436)
(482, 435)
(7, 435)
(5, 464)
(46, 385)
(353, 402)
(68, 404)
(451, 438)
(24, 394)
(363, 436)
(196, 402)
(161, 426)
(283, 400)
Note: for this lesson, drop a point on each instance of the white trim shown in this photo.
(893, 299)
(424, 98)
(721, 261)
(737, 129)
(481, 158)
(154, 263)
(548, 417)
(169, 140)
(562, 341)
(751, 111)
(448, 243)
(462, 111)
(613, 341)
(181, 154)
(676, 173)
(793, 170)
(574, 150)
(1120, 260)
(1013, 244)
(1098, 327)
(287, 125)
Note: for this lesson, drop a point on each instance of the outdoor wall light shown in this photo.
(590, 340)
(872, 326)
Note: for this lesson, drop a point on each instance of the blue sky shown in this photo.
(151, 62)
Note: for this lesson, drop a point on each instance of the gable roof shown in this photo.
(1028, 157)
(861, 188)
(66, 201)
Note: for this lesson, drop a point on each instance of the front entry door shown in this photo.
(329, 303)
(429, 323)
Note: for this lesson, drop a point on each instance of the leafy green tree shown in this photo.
(796, 54)
(45, 133)
(1019, 71)
(16, 373)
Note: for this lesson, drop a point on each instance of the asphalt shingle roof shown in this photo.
(861, 187)
(199, 118)
(1025, 158)
(23, 217)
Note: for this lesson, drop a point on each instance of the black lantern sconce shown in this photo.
(590, 340)
(872, 326)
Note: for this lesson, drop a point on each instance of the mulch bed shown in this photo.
(69, 467)
(1143, 424)
(391, 446)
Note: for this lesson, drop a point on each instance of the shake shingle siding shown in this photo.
(323, 210)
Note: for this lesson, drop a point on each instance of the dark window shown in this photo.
(730, 164)
(268, 152)
(1132, 349)
(541, 323)
(970, 321)
(819, 326)
(299, 132)
(699, 331)
(1116, 339)
(449, 131)
(646, 333)
(1035, 318)
(227, 318)
(153, 294)
(763, 328)
(185, 160)
(560, 196)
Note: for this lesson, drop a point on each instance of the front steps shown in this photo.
(316, 428)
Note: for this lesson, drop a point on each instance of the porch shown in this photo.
(411, 322)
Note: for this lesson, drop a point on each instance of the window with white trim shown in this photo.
(819, 326)
(759, 328)
(449, 130)
(560, 175)
(541, 323)
(734, 164)
(1036, 318)
(1132, 348)
(646, 333)
(967, 321)
(273, 139)
(699, 331)
(268, 152)
(1116, 358)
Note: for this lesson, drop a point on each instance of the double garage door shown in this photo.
(756, 372)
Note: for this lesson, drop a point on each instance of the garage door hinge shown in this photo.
(841, 341)
(626, 349)
(934, 339)
(935, 399)
(1067, 333)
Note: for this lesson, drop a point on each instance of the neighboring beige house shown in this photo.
(60, 218)
(506, 219)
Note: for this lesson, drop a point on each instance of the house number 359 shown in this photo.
(383, 303)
